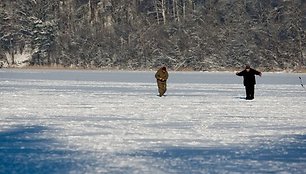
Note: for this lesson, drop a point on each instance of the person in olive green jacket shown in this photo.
(162, 77)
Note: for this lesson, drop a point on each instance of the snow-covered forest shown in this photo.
(143, 34)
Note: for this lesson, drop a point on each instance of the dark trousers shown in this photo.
(249, 90)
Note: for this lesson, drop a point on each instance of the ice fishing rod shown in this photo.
(301, 81)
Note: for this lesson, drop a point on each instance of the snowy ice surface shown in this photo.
(58, 121)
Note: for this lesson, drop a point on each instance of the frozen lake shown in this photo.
(57, 121)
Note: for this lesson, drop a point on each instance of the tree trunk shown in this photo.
(92, 11)
(157, 11)
(163, 11)
(12, 50)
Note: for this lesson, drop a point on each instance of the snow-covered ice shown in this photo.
(58, 121)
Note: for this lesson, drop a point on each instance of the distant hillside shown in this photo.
(145, 34)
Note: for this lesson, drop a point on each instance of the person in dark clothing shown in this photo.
(249, 80)
(162, 77)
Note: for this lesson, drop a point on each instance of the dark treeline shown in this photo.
(144, 34)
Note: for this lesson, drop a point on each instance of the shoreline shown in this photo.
(303, 71)
(112, 69)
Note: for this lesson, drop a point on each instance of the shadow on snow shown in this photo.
(265, 158)
(23, 150)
